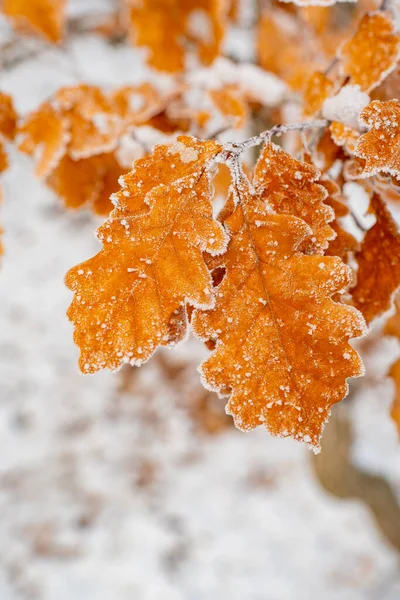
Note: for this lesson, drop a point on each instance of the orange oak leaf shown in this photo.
(344, 135)
(8, 117)
(80, 121)
(138, 104)
(380, 146)
(394, 373)
(372, 53)
(43, 17)
(282, 344)
(392, 325)
(317, 89)
(93, 122)
(87, 182)
(130, 298)
(378, 259)
(291, 188)
(165, 28)
(45, 135)
(284, 49)
(231, 104)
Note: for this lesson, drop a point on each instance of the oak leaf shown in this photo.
(45, 135)
(318, 88)
(44, 17)
(380, 146)
(378, 259)
(394, 373)
(281, 342)
(291, 188)
(164, 27)
(231, 104)
(87, 182)
(344, 135)
(130, 298)
(372, 53)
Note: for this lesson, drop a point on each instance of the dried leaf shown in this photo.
(318, 88)
(230, 103)
(378, 275)
(282, 343)
(290, 188)
(394, 373)
(380, 146)
(44, 17)
(372, 53)
(8, 117)
(45, 135)
(87, 182)
(164, 27)
(130, 298)
(93, 121)
(344, 136)
(138, 104)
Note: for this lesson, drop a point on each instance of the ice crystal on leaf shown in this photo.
(373, 52)
(130, 298)
(318, 88)
(290, 187)
(380, 146)
(282, 346)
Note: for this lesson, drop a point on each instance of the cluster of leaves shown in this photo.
(285, 264)
(83, 139)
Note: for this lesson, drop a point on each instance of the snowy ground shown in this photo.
(107, 492)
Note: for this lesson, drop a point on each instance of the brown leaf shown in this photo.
(394, 373)
(378, 275)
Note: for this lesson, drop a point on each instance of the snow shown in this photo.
(346, 106)
(107, 488)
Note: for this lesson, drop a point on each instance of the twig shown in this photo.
(239, 147)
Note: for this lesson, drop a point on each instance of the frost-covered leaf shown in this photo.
(284, 48)
(317, 89)
(290, 187)
(165, 28)
(138, 104)
(378, 275)
(344, 136)
(43, 17)
(44, 135)
(380, 146)
(372, 53)
(230, 103)
(130, 298)
(281, 342)
(87, 182)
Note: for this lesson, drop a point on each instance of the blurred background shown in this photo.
(135, 485)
